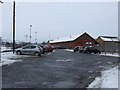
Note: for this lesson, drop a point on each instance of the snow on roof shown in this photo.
(69, 38)
(109, 38)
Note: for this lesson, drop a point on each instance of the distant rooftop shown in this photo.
(109, 38)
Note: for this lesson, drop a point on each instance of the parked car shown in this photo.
(32, 49)
(47, 48)
(91, 50)
(78, 49)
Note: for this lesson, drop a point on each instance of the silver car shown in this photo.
(32, 49)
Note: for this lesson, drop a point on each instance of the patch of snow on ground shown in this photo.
(49, 53)
(7, 55)
(53, 51)
(110, 54)
(5, 58)
(109, 79)
(7, 62)
(5, 48)
(70, 50)
(67, 60)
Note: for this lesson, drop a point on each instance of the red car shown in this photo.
(47, 48)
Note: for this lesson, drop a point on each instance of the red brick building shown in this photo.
(72, 41)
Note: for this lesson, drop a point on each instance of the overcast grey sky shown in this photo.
(60, 19)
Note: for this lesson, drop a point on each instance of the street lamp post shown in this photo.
(0, 36)
(13, 26)
(1, 1)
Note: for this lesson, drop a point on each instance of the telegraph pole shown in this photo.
(0, 36)
(13, 26)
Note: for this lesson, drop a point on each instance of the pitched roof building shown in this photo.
(108, 43)
(108, 38)
(83, 39)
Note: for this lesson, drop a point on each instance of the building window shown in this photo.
(88, 42)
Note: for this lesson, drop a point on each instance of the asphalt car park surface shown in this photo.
(59, 69)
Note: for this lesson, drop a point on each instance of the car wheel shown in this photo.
(99, 52)
(18, 52)
(85, 52)
(95, 52)
(43, 52)
(79, 51)
(37, 54)
(88, 52)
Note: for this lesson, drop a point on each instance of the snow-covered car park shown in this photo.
(59, 69)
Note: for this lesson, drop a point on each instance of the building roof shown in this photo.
(69, 38)
(65, 39)
(109, 38)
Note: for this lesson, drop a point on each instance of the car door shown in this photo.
(26, 49)
(32, 49)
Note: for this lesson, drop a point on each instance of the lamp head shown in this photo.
(1, 2)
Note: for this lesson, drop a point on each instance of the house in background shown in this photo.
(77, 40)
(108, 43)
